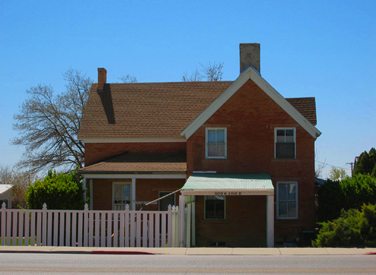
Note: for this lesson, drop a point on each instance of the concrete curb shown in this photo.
(189, 251)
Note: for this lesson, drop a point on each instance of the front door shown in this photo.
(164, 203)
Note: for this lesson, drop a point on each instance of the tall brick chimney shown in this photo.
(102, 78)
(249, 56)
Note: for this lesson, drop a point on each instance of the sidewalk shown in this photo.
(189, 251)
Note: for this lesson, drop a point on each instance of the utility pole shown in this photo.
(352, 168)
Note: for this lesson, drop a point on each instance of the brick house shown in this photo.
(242, 154)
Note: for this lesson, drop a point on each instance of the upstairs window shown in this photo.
(216, 146)
(285, 143)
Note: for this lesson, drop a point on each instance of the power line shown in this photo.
(327, 164)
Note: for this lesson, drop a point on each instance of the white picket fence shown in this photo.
(89, 228)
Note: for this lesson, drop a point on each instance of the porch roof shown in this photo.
(229, 184)
(139, 163)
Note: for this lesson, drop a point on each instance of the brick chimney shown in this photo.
(102, 78)
(249, 55)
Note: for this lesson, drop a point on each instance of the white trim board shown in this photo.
(215, 192)
(132, 140)
(252, 74)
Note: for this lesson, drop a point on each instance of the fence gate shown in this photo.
(89, 228)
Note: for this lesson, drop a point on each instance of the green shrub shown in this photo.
(58, 191)
(353, 228)
(348, 193)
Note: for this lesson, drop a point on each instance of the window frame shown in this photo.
(207, 129)
(130, 193)
(224, 209)
(296, 200)
(275, 141)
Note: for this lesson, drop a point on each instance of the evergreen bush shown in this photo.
(348, 193)
(354, 228)
(58, 191)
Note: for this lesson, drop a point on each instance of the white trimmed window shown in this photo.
(216, 143)
(121, 195)
(285, 143)
(215, 207)
(287, 200)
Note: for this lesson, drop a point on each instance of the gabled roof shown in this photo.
(129, 163)
(4, 188)
(146, 110)
(252, 74)
(161, 111)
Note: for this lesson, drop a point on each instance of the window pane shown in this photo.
(212, 136)
(280, 133)
(289, 133)
(291, 209)
(127, 191)
(117, 191)
(290, 150)
(285, 150)
(292, 192)
(289, 139)
(219, 209)
(282, 209)
(282, 191)
(221, 150)
(212, 149)
(221, 136)
(214, 207)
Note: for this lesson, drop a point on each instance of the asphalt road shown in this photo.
(38, 263)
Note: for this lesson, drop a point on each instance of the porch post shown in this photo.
(84, 187)
(270, 221)
(182, 219)
(194, 221)
(133, 195)
(91, 194)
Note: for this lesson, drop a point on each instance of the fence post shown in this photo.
(44, 225)
(169, 227)
(2, 233)
(182, 221)
(86, 218)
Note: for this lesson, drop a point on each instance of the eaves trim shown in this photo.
(132, 140)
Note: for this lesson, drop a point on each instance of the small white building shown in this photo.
(6, 195)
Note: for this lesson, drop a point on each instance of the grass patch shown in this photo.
(16, 241)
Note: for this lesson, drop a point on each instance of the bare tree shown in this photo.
(5, 175)
(128, 79)
(20, 181)
(48, 124)
(211, 72)
(196, 76)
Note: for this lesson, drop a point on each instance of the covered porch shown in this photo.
(211, 208)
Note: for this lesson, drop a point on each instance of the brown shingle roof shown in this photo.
(306, 106)
(156, 110)
(140, 163)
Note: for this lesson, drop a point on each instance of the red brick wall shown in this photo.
(146, 190)
(244, 226)
(250, 117)
(96, 152)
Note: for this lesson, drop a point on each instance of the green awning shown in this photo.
(228, 184)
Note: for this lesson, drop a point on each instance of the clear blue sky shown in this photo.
(325, 49)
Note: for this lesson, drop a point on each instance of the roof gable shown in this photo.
(252, 74)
